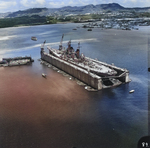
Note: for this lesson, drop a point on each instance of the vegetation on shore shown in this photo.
(22, 21)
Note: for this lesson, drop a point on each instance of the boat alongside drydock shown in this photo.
(94, 73)
(44, 75)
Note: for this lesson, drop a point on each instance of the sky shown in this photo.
(15, 5)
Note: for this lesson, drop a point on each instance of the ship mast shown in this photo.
(42, 46)
(60, 46)
(79, 45)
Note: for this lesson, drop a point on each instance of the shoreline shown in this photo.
(36, 25)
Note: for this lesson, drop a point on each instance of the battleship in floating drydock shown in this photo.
(92, 72)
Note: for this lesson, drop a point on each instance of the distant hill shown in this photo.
(68, 10)
(3, 15)
(29, 12)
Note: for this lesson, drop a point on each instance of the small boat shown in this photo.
(43, 75)
(131, 91)
(89, 29)
(33, 38)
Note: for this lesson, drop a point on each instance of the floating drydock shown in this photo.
(98, 75)
(16, 61)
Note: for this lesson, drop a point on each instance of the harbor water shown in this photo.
(56, 112)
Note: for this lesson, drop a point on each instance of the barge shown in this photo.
(16, 61)
(94, 73)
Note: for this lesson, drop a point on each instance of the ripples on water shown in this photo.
(57, 112)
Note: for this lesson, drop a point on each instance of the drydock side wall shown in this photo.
(79, 73)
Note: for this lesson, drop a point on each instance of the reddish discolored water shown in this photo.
(37, 112)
